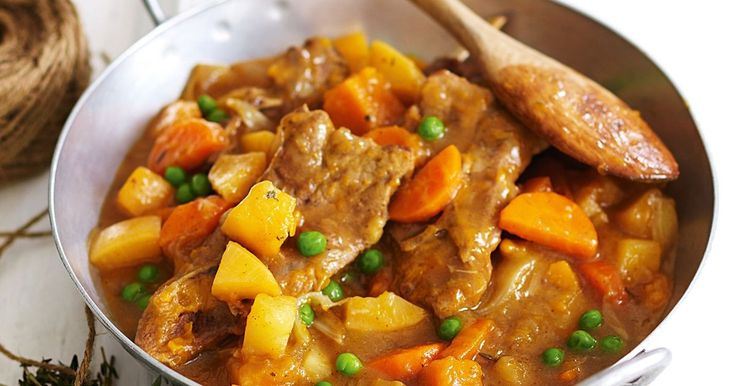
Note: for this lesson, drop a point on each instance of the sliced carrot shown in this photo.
(552, 220)
(537, 184)
(186, 144)
(362, 102)
(469, 341)
(606, 280)
(451, 371)
(570, 375)
(405, 364)
(431, 189)
(395, 135)
(189, 224)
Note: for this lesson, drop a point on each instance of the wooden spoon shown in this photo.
(572, 112)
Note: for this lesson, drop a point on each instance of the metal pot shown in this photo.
(112, 113)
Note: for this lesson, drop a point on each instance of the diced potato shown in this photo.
(636, 218)
(387, 312)
(402, 73)
(144, 191)
(317, 363)
(261, 141)
(561, 275)
(354, 48)
(638, 260)
(242, 276)
(664, 223)
(269, 325)
(233, 175)
(509, 371)
(263, 220)
(127, 243)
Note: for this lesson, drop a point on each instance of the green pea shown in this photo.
(348, 364)
(131, 291)
(311, 243)
(581, 341)
(175, 175)
(148, 273)
(143, 301)
(206, 104)
(217, 116)
(370, 261)
(184, 194)
(590, 320)
(449, 328)
(612, 344)
(553, 357)
(306, 314)
(333, 291)
(431, 128)
(323, 383)
(201, 185)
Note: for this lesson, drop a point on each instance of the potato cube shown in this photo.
(387, 312)
(263, 220)
(269, 325)
(402, 73)
(636, 218)
(233, 175)
(242, 276)
(354, 48)
(260, 141)
(127, 243)
(638, 260)
(664, 223)
(562, 276)
(143, 192)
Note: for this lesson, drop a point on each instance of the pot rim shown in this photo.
(160, 368)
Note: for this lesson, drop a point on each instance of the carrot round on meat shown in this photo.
(186, 144)
(431, 189)
(552, 220)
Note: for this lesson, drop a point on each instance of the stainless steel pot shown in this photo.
(112, 114)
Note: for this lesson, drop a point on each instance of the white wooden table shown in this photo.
(41, 313)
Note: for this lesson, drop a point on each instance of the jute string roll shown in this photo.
(44, 67)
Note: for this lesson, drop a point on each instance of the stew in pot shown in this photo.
(343, 213)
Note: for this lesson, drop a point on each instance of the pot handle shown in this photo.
(155, 11)
(637, 371)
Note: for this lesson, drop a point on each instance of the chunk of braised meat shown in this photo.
(304, 73)
(458, 103)
(183, 319)
(448, 265)
(466, 68)
(342, 183)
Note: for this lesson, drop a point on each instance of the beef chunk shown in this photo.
(448, 265)
(342, 184)
(304, 73)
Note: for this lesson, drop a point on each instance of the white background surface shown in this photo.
(41, 313)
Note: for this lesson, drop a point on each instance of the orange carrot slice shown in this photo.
(186, 144)
(606, 280)
(431, 189)
(552, 220)
(469, 341)
(405, 364)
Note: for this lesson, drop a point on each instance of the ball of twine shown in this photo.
(44, 67)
